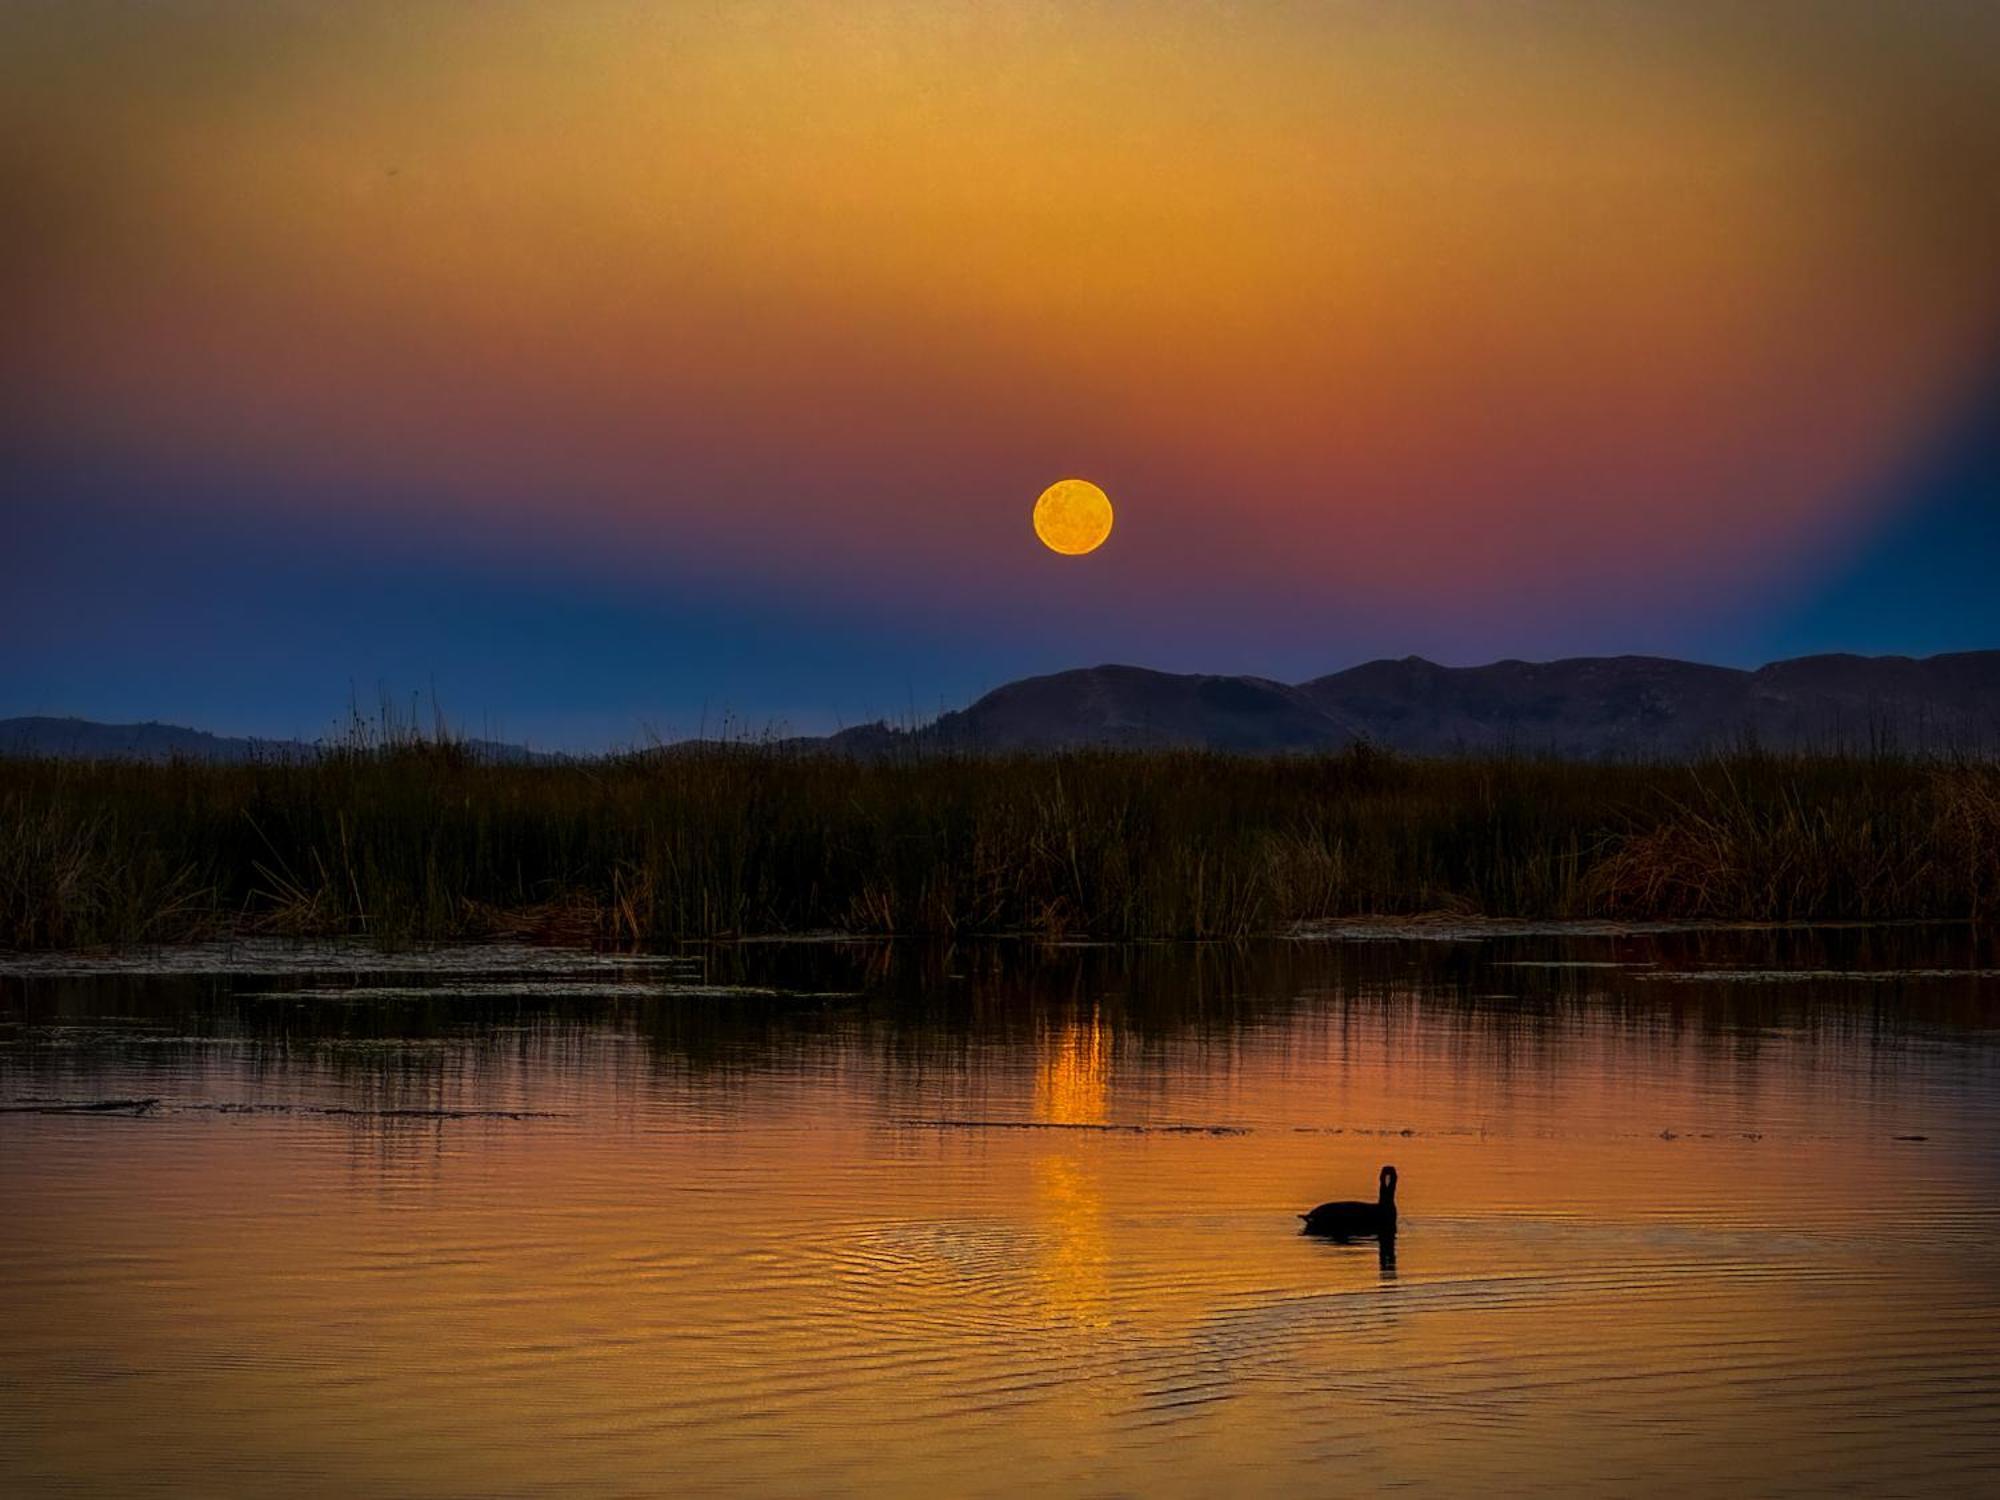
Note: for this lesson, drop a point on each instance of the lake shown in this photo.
(1681, 1209)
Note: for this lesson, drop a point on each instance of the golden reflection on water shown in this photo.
(1073, 1073)
(1072, 1088)
(1646, 1247)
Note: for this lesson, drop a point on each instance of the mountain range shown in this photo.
(1590, 707)
(86, 739)
(1586, 707)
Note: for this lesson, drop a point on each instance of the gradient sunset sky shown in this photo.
(605, 366)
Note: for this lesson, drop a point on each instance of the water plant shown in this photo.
(421, 839)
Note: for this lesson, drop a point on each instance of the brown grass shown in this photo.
(419, 842)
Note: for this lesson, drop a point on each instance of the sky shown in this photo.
(605, 370)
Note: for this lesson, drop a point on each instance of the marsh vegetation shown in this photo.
(422, 841)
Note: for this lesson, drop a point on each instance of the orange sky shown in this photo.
(1403, 304)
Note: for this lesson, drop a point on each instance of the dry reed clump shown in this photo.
(1967, 836)
(418, 842)
(68, 878)
(1770, 839)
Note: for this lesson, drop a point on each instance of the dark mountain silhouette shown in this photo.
(85, 739)
(1586, 707)
(1642, 705)
(1127, 707)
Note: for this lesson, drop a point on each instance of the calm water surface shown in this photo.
(1680, 1210)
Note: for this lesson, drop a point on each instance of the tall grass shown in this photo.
(423, 841)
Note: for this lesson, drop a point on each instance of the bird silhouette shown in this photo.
(1350, 1219)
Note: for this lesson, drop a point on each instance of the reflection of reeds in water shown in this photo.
(426, 842)
(752, 1282)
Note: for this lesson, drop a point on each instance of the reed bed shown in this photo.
(423, 841)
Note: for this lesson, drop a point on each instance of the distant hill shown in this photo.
(85, 739)
(1128, 707)
(1644, 705)
(1589, 707)
(1586, 707)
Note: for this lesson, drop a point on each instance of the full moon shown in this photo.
(1073, 517)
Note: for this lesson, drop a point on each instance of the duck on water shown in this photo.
(1349, 1220)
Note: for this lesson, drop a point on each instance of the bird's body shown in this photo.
(1350, 1219)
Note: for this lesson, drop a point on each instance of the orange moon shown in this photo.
(1073, 516)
